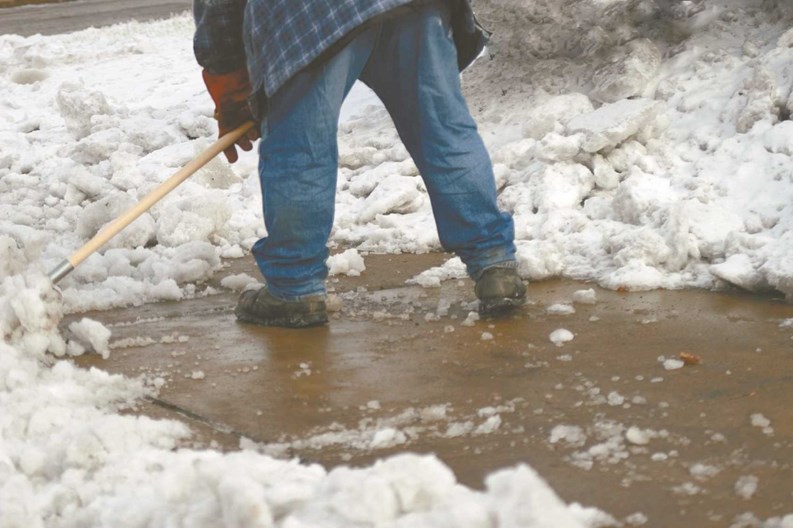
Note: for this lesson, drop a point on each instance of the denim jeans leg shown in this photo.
(298, 159)
(413, 70)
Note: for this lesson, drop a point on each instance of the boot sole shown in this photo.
(292, 321)
(504, 305)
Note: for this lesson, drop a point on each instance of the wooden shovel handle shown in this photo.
(113, 228)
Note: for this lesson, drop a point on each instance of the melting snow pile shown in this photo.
(644, 144)
(640, 160)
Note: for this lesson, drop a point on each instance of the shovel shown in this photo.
(114, 227)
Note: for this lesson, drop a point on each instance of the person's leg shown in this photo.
(298, 158)
(413, 70)
(298, 163)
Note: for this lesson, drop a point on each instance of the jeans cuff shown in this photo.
(286, 296)
(508, 264)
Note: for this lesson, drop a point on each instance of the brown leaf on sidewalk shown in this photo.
(689, 359)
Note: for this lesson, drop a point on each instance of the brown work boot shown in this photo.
(262, 308)
(499, 290)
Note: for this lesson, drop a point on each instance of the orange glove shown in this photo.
(230, 93)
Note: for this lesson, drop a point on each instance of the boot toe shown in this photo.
(260, 307)
(500, 290)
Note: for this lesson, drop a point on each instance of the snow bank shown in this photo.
(680, 110)
(668, 166)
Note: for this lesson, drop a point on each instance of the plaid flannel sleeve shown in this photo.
(218, 44)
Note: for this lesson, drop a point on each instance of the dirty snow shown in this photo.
(560, 309)
(387, 429)
(571, 435)
(746, 486)
(760, 421)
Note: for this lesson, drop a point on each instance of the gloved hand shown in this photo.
(230, 93)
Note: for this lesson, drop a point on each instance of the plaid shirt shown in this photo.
(277, 38)
(280, 36)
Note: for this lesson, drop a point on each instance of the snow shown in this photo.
(613, 124)
(387, 438)
(673, 364)
(687, 488)
(92, 333)
(349, 262)
(749, 519)
(489, 426)
(636, 519)
(668, 167)
(637, 436)
(703, 471)
(560, 336)
(561, 309)
(761, 422)
(588, 296)
(432, 278)
(571, 435)
(470, 319)
(615, 399)
(239, 282)
(758, 420)
(682, 184)
(746, 486)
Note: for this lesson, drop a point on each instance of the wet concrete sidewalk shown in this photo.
(696, 446)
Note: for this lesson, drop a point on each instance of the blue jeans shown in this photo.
(410, 63)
